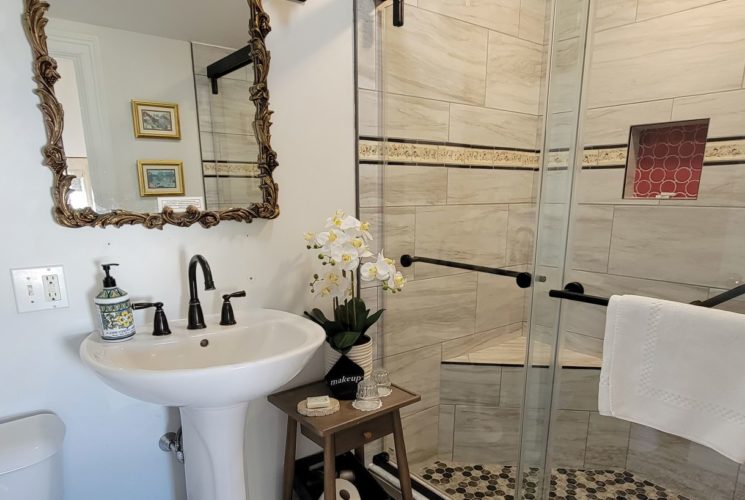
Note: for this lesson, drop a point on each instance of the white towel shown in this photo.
(677, 368)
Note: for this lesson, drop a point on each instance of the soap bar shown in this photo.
(318, 402)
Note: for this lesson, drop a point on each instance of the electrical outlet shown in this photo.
(39, 288)
(52, 293)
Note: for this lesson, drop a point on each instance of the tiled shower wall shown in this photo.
(457, 101)
(229, 149)
(654, 61)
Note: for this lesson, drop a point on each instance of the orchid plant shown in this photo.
(342, 250)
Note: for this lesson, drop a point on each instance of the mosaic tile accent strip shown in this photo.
(466, 481)
(230, 169)
(447, 155)
(444, 154)
(668, 161)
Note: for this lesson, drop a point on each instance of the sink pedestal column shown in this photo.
(213, 452)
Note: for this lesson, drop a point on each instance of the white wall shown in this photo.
(111, 446)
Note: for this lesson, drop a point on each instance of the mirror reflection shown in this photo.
(145, 124)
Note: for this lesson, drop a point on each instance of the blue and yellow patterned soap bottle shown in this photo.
(115, 310)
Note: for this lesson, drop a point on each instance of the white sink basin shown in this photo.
(212, 384)
(264, 351)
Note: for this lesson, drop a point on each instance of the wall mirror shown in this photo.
(156, 112)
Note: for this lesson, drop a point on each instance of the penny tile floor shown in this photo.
(466, 481)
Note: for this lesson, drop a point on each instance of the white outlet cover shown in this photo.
(28, 285)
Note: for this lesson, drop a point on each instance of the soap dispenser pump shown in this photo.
(115, 309)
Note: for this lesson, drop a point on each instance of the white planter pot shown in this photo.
(360, 354)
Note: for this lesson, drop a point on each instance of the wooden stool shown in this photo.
(347, 429)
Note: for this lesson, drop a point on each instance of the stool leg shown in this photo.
(329, 468)
(403, 464)
(360, 454)
(289, 458)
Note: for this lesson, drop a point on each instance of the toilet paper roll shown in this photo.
(347, 474)
(345, 491)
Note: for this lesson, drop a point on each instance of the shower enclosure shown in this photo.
(592, 141)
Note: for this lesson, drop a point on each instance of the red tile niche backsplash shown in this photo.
(666, 160)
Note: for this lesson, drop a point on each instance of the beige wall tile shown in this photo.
(604, 126)
(371, 185)
(469, 186)
(656, 8)
(589, 319)
(605, 186)
(740, 490)
(466, 384)
(725, 109)
(499, 15)
(482, 340)
(367, 44)
(721, 186)
(513, 74)
(569, 438)
(590, 243)
(436, 57)
(578, 389)
(566, 74)
(607, 442)
(368, 102)
(445, 432)
(680, 464)
(610, 13)
(584, 344)
(684, 245)
(569, 16)
(415, 118)
(420, 436)
(486, 435)
(491, 127)
(429, 312)
(533, 20)
(236, 147)
(499, 302)
(521, 234)
(413, 371)
(710, 39)
(407, 185)
(473, 234)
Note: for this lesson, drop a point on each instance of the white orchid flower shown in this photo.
(310, 237)
(369, 272)
(381, 266)
(364, 230)
(336, 219)
(396, 282)
(330, 240)
(361, 247)
(346, 257)
(350, 222)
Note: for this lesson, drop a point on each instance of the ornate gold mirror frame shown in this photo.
(45, 75)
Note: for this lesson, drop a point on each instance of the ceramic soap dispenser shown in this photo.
(115, 310)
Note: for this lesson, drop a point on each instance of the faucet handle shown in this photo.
(160, 323)
(227, 317)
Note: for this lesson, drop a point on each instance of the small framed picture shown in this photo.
(156, 120)
(161, 177)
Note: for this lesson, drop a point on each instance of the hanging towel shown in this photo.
(677, 368)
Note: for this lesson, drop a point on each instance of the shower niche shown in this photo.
(665, 160)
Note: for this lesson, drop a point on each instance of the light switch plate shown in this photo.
(39, 288)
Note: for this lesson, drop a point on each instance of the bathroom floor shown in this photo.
(465, 481)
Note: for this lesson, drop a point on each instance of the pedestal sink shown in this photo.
(211, 375)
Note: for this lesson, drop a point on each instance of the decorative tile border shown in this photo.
(444, 154)
(408, 152)
(214, 169)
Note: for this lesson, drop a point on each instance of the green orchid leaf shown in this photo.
(372, 319)
(344, 341)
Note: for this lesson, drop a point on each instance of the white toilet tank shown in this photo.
(30, 458)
